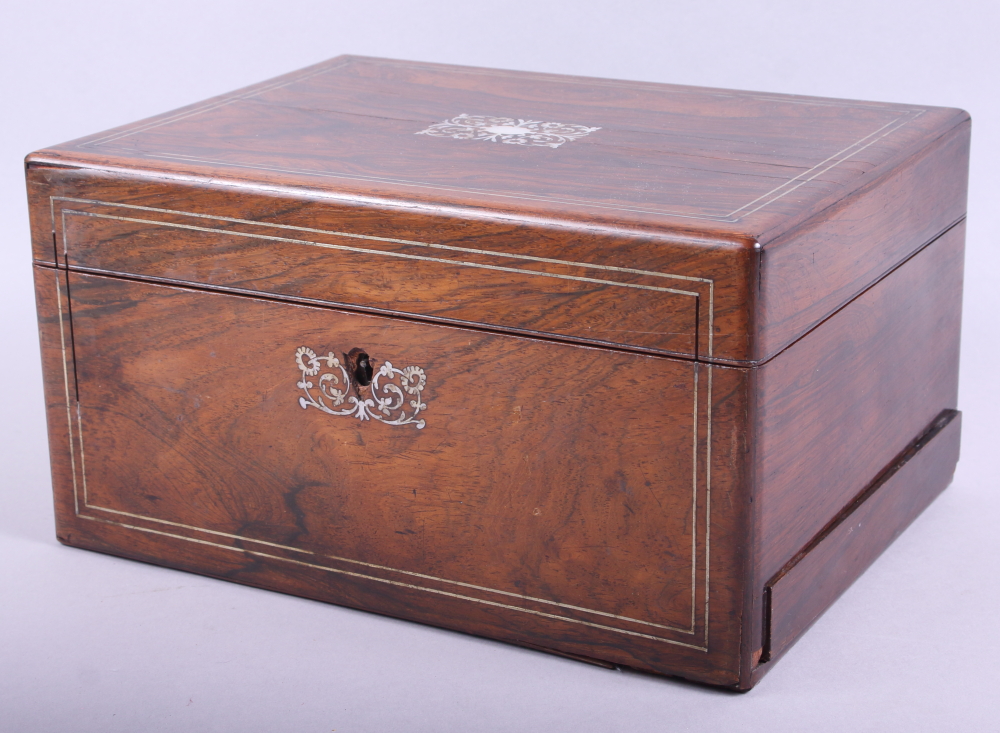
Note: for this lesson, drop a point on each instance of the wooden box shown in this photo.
(637, 373)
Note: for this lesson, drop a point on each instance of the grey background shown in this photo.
(94, 643)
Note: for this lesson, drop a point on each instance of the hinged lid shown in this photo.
(621, 213)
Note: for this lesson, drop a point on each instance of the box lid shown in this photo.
(769, 210)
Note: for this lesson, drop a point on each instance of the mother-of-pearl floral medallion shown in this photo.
(508, 130)
(395, 396)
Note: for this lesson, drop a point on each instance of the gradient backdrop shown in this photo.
(94, 643)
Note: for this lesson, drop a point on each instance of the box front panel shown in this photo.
(517, 488)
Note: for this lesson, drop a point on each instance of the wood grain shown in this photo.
(559, 280)
(729, 160)
(464, 285)
(661, 358)
(836, 407)
(552, 485)
(813, 270)
(677, 180)
(801, 592)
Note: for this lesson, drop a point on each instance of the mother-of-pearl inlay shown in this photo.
(508, 130)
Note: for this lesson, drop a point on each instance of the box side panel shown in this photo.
(563, 497)
(683, 296)
(810, 272)
(838, 406)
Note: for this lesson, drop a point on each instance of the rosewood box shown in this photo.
(637, 373)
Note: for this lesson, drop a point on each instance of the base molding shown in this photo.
(810, 582)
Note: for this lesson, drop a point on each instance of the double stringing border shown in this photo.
(694, 521)
(428, 245)
(731, 217)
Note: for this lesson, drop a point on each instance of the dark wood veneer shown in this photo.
(801, 591)
(820, 402)
(669, 362)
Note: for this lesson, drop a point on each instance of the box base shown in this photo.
(811, 581)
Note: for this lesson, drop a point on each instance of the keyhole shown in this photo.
(363, 371)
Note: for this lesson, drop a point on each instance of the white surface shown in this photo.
(95, 643)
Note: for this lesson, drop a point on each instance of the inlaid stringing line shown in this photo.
(694, 503)
(375, 566)
(363, 250)
(83, 464)
(568, 606)
(350, 235)
(608, 268)
(83, 469)
(901, 120)
(431, 187)
(200, 529)
(708, 496)
(429, 577)
(905, 118)
(383, 567)
(52, 214)
(711, 319)
(403, 585)
(69, 408)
